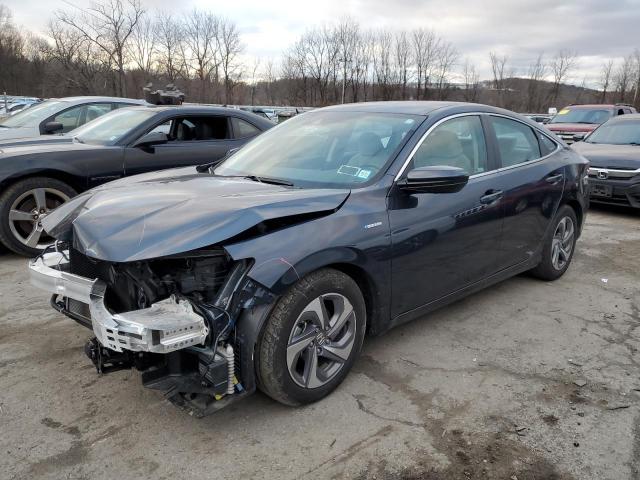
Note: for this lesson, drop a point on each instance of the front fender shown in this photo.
(355, 236)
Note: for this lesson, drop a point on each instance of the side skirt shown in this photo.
(466, 291)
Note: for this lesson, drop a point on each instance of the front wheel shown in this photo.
(559, 245)
(23, 206)
(312, 338)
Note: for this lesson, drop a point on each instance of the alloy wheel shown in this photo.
(28, 211)
(321, 340)
(562, 243)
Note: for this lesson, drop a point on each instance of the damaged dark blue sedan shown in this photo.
(267, 270)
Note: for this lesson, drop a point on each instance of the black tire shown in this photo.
(272, 367)
(56, 192)
(546, 269)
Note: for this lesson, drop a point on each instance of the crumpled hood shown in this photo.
(609, 156)
(166, 213)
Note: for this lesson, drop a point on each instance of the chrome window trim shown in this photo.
(482, 174)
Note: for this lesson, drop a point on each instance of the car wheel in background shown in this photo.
(559, 245)
(312, 338)
(23, 206)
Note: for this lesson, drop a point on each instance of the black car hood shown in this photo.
(609, 156)
(31, 146)
(35, 141)
(166, 213)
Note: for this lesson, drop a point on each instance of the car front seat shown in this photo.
(442, 148)
(369, 146)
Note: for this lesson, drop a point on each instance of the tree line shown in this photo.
(116, 47)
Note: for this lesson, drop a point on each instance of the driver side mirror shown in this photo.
(53, 127)
(578, 137)
(439, 179)
(151, 139)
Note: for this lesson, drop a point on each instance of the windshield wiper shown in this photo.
(207, 166)
(272, 181)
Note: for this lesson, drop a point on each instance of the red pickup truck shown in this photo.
(580, 120)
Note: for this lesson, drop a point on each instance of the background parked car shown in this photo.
(16, 106)
(60, 115)
(38, 175)
(614, 153)
(577, 121)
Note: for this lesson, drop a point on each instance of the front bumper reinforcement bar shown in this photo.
(164, 327)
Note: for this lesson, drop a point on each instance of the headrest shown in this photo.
(442, 144)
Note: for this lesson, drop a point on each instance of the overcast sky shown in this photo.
(595, 29)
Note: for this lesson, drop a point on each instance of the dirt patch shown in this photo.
(494, 457)
(550, 419)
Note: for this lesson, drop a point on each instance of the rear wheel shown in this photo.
(559, 245)
(312, 338)
(23, 206)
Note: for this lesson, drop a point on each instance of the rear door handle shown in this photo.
(491, 196)
(553, 179)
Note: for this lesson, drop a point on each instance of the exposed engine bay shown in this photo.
(172, 318)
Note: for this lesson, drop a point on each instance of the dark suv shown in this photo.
(577, 121)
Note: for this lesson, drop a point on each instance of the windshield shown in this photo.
(31, 117)
(326, 149)
(619, 133)
(109, 129)
(582, 115)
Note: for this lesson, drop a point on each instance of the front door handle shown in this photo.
(491, 196)
(553, 179)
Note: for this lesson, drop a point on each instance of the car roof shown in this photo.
(407, 107)
(206, 110)
(92, 99)
(419, 107)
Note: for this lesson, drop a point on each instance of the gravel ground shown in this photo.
(526, 380)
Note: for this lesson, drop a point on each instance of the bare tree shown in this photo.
(81, 65)
(560, 66)
(229, 48)
(403, 60)
(536, 74)
(382, 63)
(348, 37)
(447, 58)
(169, 39)
(109, 25)
(605, 78)
(624, 77)
(142, 48)
(471, 81)
(636, 64)
(200, 33)
(426, 46)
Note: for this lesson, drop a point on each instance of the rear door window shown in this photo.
(547, 146)
(517, 143)
(243, 129)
